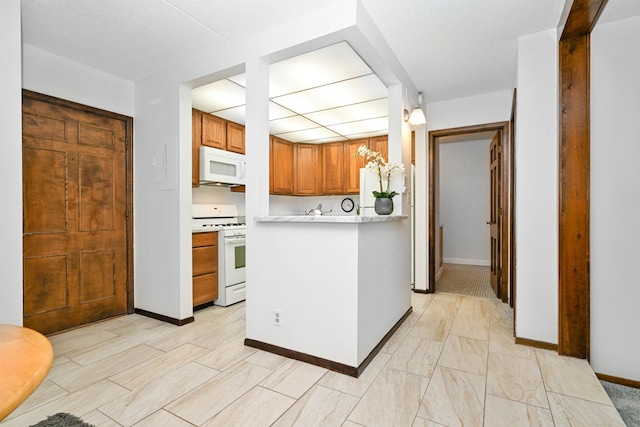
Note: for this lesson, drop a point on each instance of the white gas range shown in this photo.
(231, 248)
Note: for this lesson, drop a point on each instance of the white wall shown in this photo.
(53, 75)
(218, 195)
(536, 168)
(11, 171)
(472, 110)
(464, 201)
(615, 198)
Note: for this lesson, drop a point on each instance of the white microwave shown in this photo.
(220, 167)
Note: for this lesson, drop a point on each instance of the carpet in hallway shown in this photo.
(463, 279)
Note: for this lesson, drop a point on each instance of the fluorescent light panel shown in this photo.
(339, 94)
(317, 68)
(330, 87)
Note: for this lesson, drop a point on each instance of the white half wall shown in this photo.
(11, 171)
(53, 75)
(615, 198)
(536, 168)
(464, 201)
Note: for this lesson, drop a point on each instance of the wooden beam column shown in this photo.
(574, 177)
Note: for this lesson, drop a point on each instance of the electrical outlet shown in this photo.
(277, 317)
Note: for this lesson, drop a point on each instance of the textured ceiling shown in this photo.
(449, 48)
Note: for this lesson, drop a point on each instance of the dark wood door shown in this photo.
(74, 216)
(495, 212)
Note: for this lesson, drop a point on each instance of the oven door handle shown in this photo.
(234, 240)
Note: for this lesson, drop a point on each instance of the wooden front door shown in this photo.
(495, 212)
(75, 208)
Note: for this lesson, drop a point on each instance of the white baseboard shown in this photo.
(439, 273)
(482, 262)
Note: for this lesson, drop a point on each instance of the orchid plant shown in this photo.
(384, 170)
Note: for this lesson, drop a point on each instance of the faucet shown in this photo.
(317, 211)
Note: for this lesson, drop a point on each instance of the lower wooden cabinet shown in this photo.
(205, 267)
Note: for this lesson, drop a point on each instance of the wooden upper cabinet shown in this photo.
(306, 168)
(281, 167)
(235, 137)
(332, 168)
(381, 145)
(214, 131)
(196, 141)
(352, 165)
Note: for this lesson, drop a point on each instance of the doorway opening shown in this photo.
(500, 205)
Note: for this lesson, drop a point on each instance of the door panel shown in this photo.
(74, 205)
(495, 212)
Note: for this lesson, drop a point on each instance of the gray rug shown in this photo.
(626, 400)
(62, 420)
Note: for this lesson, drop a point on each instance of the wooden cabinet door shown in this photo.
(352, 165)
(381, 145)
(235, 137)
(332, 168)
(306, 176)
(74, 214)
(214, 131)
(205, 267)
(281, 167)
(196, 142)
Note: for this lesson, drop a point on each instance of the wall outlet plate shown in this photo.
(277, 317)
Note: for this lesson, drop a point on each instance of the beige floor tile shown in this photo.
(143, 373)
(113, 346)
(416, 356)
(294, 378)
(226, 355)
(257, 407)
(207, 400)
(98, 419)
(78, 403)
(396, 339)
(221, 335)
(143, 401)
(421, 422)
(444, 305)
(183, 335)
(454, 398)
(350, 424)
(79, 339)
(476, 307)
(517, 379)
(504, 342)
(319, 407)
(570, 376)
(356, 386)
(429, 327)
(104, 368)
(392, 388)
(470, 327)
(162, 418)
(501, 412)
(48, 391)
(465, 354)
(570, 411)
(267, 360)
(420, 301)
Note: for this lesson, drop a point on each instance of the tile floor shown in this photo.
(453, 362)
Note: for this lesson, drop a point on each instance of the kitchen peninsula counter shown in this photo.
(346, 219)
(328, 289)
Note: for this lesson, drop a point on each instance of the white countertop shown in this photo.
(345, 219)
